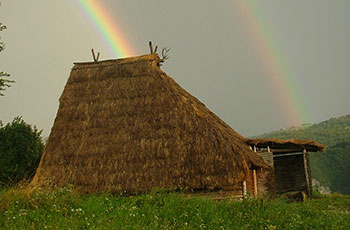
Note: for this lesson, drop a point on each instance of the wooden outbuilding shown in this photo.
(289, 160)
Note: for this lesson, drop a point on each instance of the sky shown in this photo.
(259, 65)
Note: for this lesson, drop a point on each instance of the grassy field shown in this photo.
(65, 209)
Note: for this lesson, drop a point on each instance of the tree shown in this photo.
(21, 146)
(3, 81)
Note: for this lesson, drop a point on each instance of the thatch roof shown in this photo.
(124, 125)
(292, 144)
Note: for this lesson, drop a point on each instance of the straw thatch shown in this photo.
(125, 126)
(297, 145)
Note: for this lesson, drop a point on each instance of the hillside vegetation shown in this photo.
(331, 168)
(66, 209)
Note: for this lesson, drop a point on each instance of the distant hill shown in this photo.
(331, 168)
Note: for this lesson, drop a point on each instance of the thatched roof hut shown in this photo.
(125, 126)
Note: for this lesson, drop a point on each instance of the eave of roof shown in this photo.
(297, 145)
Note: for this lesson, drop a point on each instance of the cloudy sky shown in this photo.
(259, 65)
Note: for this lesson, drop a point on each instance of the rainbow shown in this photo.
(109, 30)
(281, 79)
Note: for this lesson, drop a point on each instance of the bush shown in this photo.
(21, 146)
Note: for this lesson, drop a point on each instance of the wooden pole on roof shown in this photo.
(98, 56)
(150, 47)
(94, 56)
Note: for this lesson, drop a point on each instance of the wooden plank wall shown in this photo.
(290, 173)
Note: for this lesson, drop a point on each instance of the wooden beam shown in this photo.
(217, 195)
(292, 150)
(280, 151)
(286, 154)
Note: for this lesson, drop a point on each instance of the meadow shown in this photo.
(66, 209)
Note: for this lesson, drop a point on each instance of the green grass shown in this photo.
(65, 209)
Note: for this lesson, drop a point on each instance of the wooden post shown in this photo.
(244, 189)
(307, 176)
(255, 183)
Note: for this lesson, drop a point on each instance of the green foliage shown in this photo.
(64, 209)
(2, 27)
(3, 82)
(21, 147)
(331, 168)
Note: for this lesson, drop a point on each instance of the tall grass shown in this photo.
(65, 209)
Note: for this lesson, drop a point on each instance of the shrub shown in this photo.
(21, 146)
